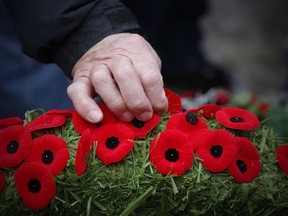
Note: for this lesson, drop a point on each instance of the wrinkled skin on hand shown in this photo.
(124, 70)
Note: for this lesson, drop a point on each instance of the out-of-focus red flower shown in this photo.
(174, 102)
(171, 152)
(49, 151)
(80, 124)
(114, 142)
(6, 122)
(2, 181)
(263, 107)
(282, 157)
(65, 113)
(15, 145)
(83, 150)
(216, 149)
(246, 165)
(141, 128)
(45, 122)
(207, 111)
(237, 118)
(35, 185)
(188, 122)
(222, 98)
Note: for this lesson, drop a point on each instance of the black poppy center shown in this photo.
(112, 142)
(216, 151)
(236, 119)
(12, 147)
(241, 166)
(172, 155)
(34, 185)
(47, 157)
(137, 123)
(191, 118)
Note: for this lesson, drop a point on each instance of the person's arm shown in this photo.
(87, 37)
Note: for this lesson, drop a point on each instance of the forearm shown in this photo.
(62, 31)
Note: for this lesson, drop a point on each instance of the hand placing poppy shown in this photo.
(35, 185)
(6, 122)
(114, 142)
(80, 124)
(49, 151)
(216, 149)
(237, 118)
(83, 150)
(171, 152)
(246, 165)
(282, 157)
(174, 102)
(140, 128)
(15, 145)
(45, 122)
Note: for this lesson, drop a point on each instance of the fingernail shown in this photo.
(145, 116)
(127, 116)
(94, 116)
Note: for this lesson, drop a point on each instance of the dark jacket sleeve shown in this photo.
(61, 31)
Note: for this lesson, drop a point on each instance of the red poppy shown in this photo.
(80, 124)
(2, 181)
(222, 97)
(282, 157)
(114, 142)
(171, 152)
(188, 123)
(216, 149)
(10, 121)
(174, 102)
(141, 128)
(65, 113)
(83, 150)
(246, 165)
(15, 145)
(35, 185)
(51, 152)
(237, 118)
(45, 122)
(207, 111)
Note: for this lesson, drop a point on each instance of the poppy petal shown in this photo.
(15, 145)
(140, 128)
(65, 113)
(207, 111)
(10, 121)
(114, 142)
(216, 149)
(45, 122)
(171, 152)
(35, 185)
(49, 151)
(237, 118)
(282, 157)
(174, 102)
(246, 165)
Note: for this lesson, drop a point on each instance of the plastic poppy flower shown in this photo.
(83, 150)
(188, 123)
(237, 118)
(49, 151)
(15, 145)
(65, 113)
(35, 185)
(246, 165)
(171, 152)
(2, 182)
(80, 124)
(174, 102)
(6, 122)
(216, 149)
(207, 111)
(141, 128)
(282, 157)
(45, 122)
(114, 142)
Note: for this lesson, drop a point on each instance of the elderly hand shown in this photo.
(124, 70)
